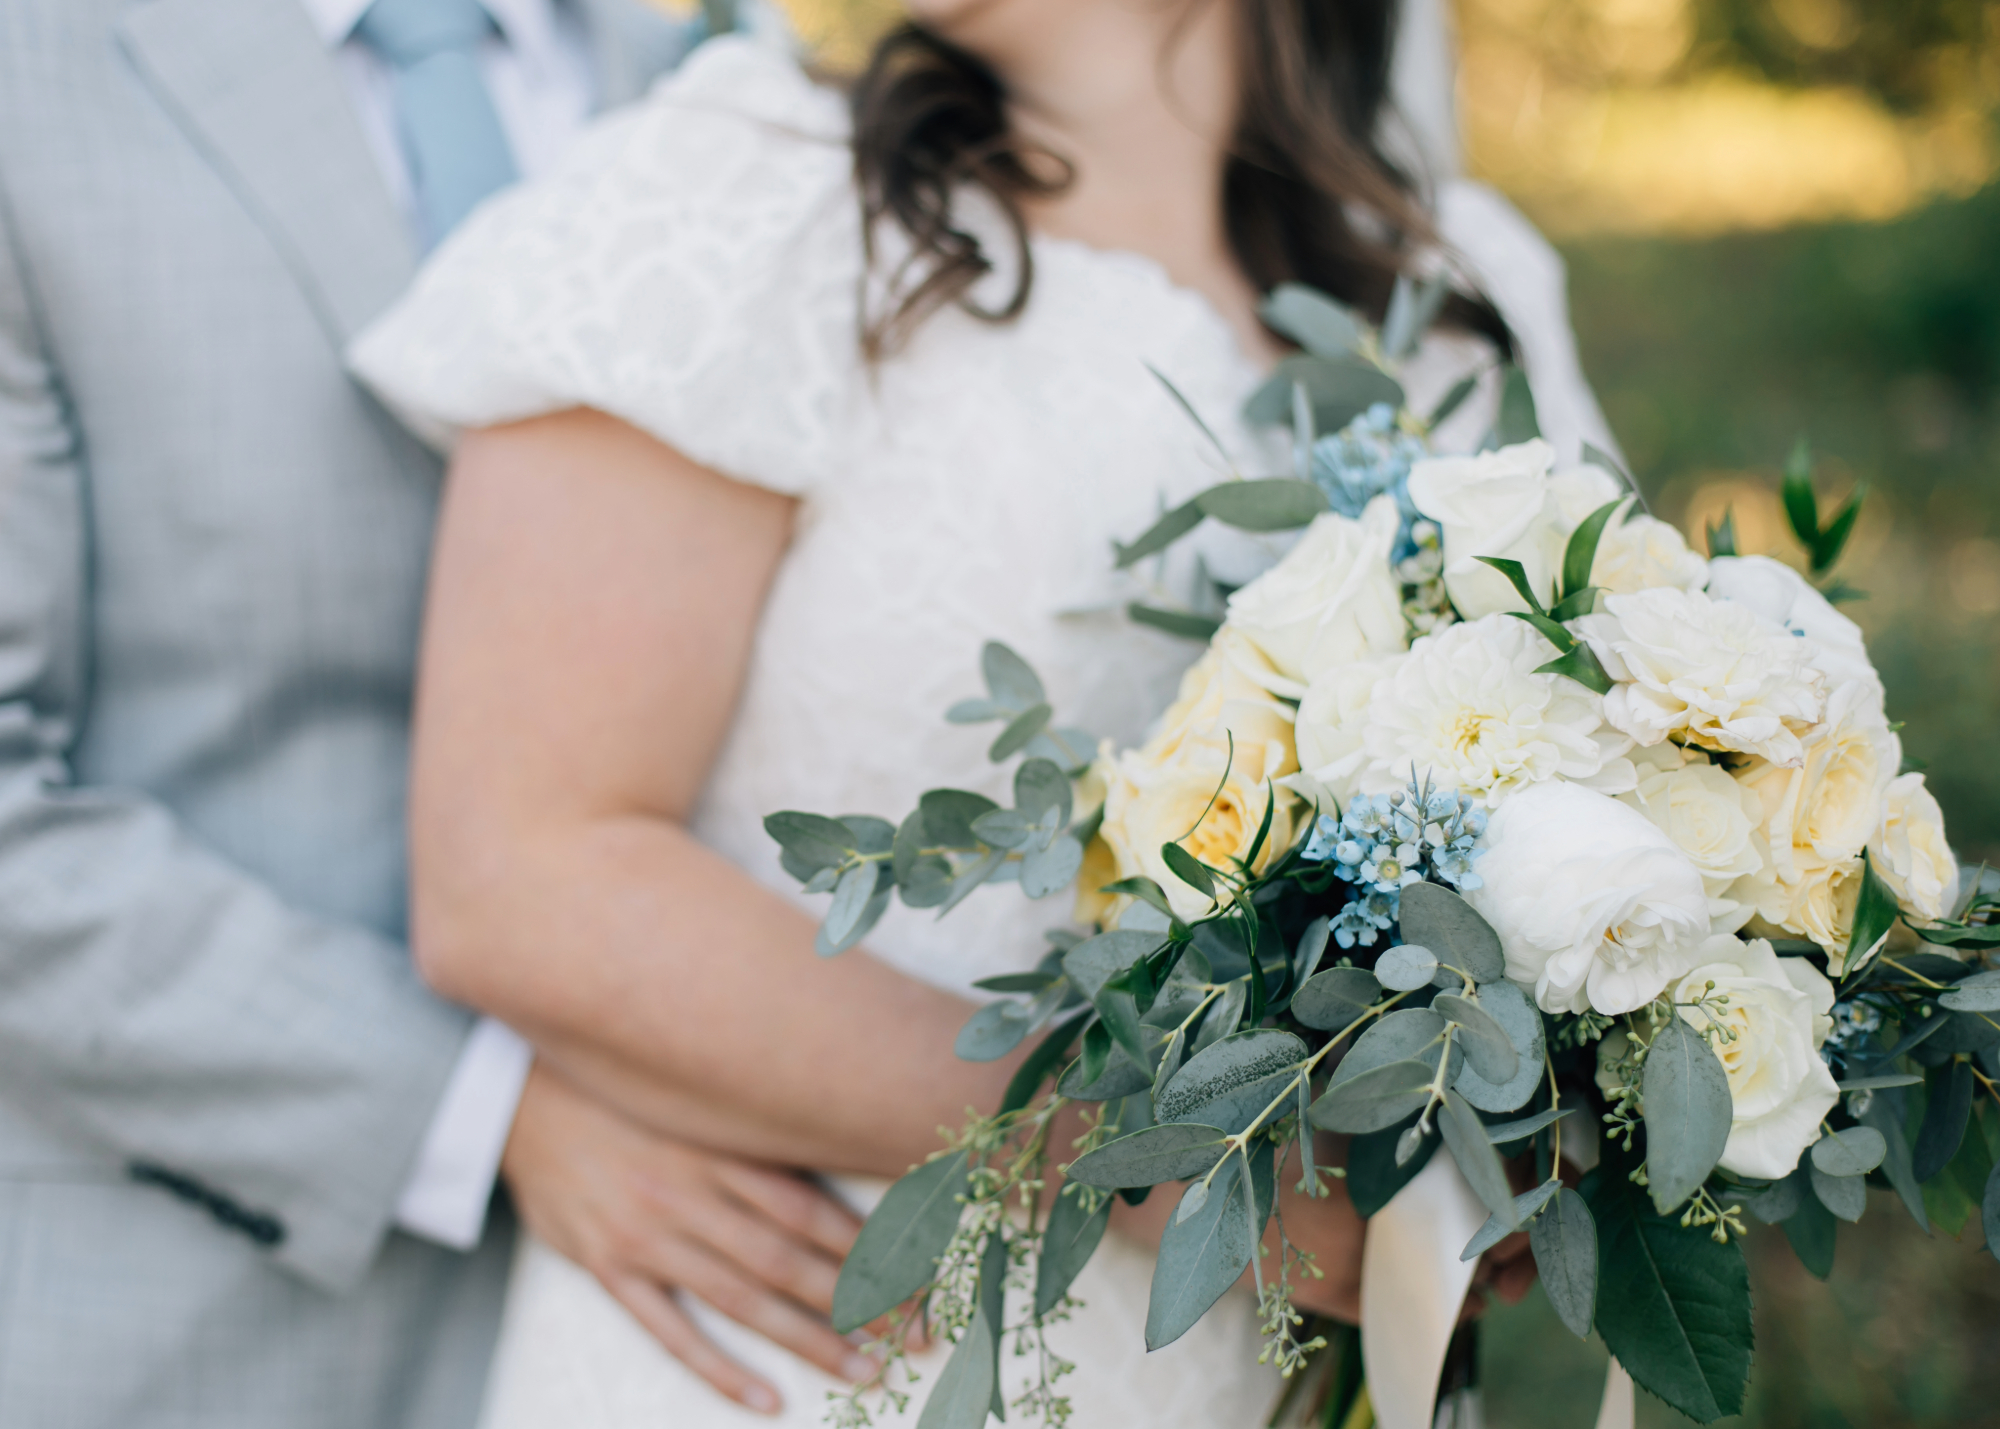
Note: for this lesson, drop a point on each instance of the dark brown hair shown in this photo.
(1308, 194)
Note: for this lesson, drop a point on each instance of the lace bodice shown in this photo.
(696, 270)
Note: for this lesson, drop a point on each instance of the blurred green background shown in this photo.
(1781, 217)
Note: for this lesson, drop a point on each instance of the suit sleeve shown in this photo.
(158, 1004)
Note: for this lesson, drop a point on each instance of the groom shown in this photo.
(245, 1157)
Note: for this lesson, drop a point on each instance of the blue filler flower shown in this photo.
(1371, 455)
(1384, 842)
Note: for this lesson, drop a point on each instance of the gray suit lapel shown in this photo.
(633, 44)
(252, 83)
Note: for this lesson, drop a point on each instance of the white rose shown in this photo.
(1712, 672)
(1466, 708)
(1493, 504)
(1712, 819)
(1784, 597)
(1331, 600)
(1634, 551)
(1774, 1015)
(1910, 851)
(1595, 907)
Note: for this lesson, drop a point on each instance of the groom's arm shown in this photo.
(277, 1071)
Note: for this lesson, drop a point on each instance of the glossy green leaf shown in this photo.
(1188, 869)
(1686, 1095)
(1946, 1112)
(1334, 998)
(1068, 1242)
(1517, 576)
(1169, 1151)
(1875, 913)
(1722, 535)
(896, 1253)
(1581, 552)
(1564, 1241)
(1672, 1304)
(1582, 666)
(1452, 401)
(1989, 1212)
(1880, 1083)
(1445, 923)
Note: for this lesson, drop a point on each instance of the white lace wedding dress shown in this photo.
(696, 271)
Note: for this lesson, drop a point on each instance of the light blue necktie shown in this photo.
(451, 132)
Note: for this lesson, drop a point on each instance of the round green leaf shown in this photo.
(1334, 998)
(1406, 967)
(1687, 1103)
(1411, 1033)
(1440, 920)
(1978, 993)
(1375, 1099)
(1521, 1020)
(1853, 1152)
(1845, 1196)
(1170, 1151)
(1487, 1048)
(1564, 1240)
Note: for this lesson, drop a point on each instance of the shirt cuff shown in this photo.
(446, 1197)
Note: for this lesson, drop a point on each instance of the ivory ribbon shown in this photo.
(1616, 1412)
(1412, 1285)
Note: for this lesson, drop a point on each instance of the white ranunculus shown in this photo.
(1331, 600)
(1774, 1011)
(1492, 504)
(1910, 851)
(1785, 598)
(1595, 907)
(1710, 672)
(1466, 709)
(1711, 818)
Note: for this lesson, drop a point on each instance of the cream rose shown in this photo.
(1710, 672)
(1596, 909)
(1228, 693)
(1493, 504)
(1466, 708)
(1824, 807)
(1332, 719)
(1151, 801)
(1773, 1016)
(1634, 551)
(1331, 600)
(1711, 818)
(1910, 851)
(1784, 597)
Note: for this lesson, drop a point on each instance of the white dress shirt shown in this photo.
(538, 70)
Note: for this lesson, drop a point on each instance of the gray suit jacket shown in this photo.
(216, 1065)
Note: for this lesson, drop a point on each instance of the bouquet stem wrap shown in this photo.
(1412, 1285)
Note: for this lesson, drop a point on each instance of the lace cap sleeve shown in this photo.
(693, 269)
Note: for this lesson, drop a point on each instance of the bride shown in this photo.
(775, 405)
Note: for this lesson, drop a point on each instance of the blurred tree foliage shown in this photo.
(1912, 55)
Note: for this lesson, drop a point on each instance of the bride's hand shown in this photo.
(648, 1216)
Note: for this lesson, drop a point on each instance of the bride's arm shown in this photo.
(594, 600)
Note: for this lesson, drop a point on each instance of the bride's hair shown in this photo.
(1308, 194)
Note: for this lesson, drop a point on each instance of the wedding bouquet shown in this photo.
(1493, 818)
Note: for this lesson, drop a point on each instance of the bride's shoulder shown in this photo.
(693, 267)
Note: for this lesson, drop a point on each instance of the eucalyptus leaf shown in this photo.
(1518, 421)
(823, 881)
(1978, 993)
(1041, 785)
(1811, 1230)
(1334, 998)
(1310, 318)
(1488, 1051)
(1502, 1132)
(948, 816)
(1232, 1080)
(1405, 967)
(1069, 1240)
(1119, 1076)
(1440, 920)
(846, 921)
(1002, 828)
(1019, 731)
(1340, 389)
(1564, 1240)
(1989, 1212)
(1160, 535)
(1853, 1152)
(1374, 1175)
(975, 873)
(1878, 1083)
(1066, 746)
(1223, 1017)
(963, 1395)
(1009, 679)
(1776, 1203)
(1496, 1230)
(1465, 1135)
(1410, 1033)
(1050, 870)
(1192, 1202)
(1412, 309)
(1272, 503)
(976, 712)
(1507, 1004)
(1201, 1257)
(814, 840)
(993, 1031)
(1095, 961)
(1672, 1304)
(1186, 624)
(1845, 1196)
(1311, 948)
(1686, 1095)
(1168, 1151)
(1885, 1114)
(896, 1253)
(1376, 1099)
(1452, 401)
(1018, 982)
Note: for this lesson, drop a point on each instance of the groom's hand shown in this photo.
(649, 1216)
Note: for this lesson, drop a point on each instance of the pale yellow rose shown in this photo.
(1823, 809)
(1228, 693)
(1100, 868)
(1713, 819)
(1910, 851)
